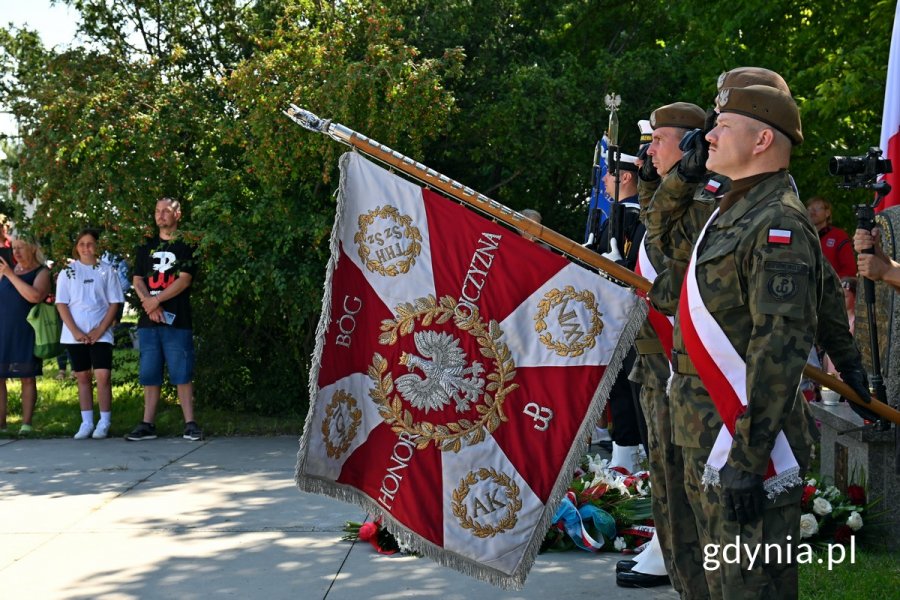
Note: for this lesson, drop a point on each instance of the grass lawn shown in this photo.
(875, 573)
(57, 413)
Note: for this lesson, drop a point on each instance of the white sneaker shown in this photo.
(84, 432)
(102, 430)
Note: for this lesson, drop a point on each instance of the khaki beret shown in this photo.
(678, 114)
(763, 103)
(746, 76)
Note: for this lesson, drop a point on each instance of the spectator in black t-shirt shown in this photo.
(163, 271)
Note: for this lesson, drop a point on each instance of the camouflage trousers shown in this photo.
(753, 561)
(672, 515)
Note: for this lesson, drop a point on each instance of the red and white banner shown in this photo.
(459, 370)
(890, 120)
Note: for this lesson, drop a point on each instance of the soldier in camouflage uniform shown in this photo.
(764, 296)
(679, 218)
(673, 225)
(671, 513)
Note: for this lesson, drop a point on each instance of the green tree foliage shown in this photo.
(833, 55)
(109, 128)
(267, 213)
(184, 98)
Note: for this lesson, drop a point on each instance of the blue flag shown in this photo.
(598, 207)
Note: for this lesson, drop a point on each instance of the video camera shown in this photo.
(859, 171)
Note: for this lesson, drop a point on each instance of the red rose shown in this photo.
(843, 534)
(857, 494)
(808, 492)
(367, 531)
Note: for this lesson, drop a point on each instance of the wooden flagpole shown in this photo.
(479, 201)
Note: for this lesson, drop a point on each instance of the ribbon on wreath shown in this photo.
(572, 519)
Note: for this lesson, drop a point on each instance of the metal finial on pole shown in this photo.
(616, 227)
(613, 101)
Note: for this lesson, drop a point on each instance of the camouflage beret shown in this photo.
(746, 76)
(763, 103)
(678, 114)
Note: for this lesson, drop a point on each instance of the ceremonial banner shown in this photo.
(890, 120)
(598, 206)
(458, 372)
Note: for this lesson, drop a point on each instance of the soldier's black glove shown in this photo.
(695, 149)
(710, 123)
(742, 494)
(857, 379)
(648, 171)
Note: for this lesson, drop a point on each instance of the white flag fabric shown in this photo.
(890, 120)
(458, 373)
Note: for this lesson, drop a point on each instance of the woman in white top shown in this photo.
(88, 295)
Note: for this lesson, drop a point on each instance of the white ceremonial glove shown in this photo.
(613, 253)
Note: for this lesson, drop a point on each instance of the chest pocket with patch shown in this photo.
(718, 277)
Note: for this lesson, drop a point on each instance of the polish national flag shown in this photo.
(779, 236)
(890, 123)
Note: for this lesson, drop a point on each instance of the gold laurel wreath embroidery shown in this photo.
(514, 503)
(449, 437)
(553, 298)
(355, 417)
(412, 235)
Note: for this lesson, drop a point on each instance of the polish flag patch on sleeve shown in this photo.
(779, 236)
(712, 186)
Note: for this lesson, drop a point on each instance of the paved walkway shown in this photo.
(217, 519)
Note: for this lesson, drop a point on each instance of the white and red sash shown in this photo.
(661, 324)
(724, 374)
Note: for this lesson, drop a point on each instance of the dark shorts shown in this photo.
(166, 345)
(85, 357)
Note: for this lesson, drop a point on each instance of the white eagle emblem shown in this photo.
(445, 374)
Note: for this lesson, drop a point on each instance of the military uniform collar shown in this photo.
(773, 181)
(630, 201)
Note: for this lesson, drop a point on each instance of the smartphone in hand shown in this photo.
(169, 317)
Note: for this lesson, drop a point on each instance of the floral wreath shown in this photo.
(462, 491)
(411, 233)
(449, 437)
(340, 397)
(553, 298)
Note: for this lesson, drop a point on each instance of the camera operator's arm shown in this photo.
(877, 266)
(864, 239)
